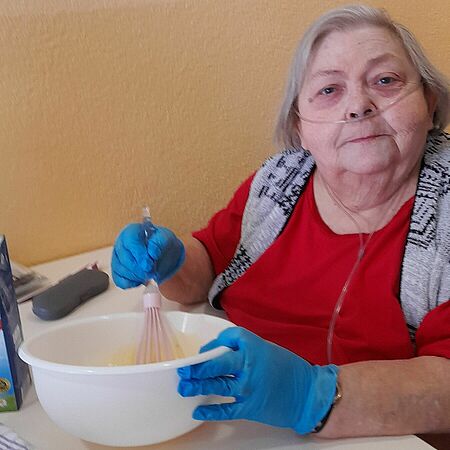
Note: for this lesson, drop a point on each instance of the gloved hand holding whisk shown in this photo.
(134, 263)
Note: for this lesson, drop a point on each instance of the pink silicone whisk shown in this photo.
(157, 342)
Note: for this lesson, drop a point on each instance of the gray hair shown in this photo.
(341, 19)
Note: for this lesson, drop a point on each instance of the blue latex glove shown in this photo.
(134, 263)
(270, 384)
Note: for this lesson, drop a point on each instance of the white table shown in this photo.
(32, 423)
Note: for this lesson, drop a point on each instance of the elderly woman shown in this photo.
(336, 250)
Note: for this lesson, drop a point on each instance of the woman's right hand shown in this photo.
(134, 263)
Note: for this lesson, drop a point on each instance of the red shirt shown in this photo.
(288, 295)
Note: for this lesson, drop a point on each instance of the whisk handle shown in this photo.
(152, 300)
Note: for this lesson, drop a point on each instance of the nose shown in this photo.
(360, 105)
(355, 115)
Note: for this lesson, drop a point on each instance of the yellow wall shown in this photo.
(165, 102)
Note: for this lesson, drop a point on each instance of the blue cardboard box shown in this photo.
(14, 373)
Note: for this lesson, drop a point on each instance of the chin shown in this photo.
(368, 166)
(370, 170)
(365, 159)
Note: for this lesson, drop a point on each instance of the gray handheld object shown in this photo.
(70, 292)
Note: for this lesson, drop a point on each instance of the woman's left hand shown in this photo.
(270, 384)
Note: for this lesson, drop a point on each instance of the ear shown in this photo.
(431, 99)
(297, 128)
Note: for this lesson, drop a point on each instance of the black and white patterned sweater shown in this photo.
(425, 271)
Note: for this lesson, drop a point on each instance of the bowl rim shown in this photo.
(35, 362)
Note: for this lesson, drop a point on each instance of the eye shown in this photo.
(384, 81)
(327, 90)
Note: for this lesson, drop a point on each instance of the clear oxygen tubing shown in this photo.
(362, 248)
(363, 243)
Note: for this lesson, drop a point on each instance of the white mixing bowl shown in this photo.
(86, 394)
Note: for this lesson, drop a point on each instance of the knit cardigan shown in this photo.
(425, 271)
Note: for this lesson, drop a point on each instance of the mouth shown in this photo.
(368, 138)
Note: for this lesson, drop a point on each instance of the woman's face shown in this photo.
(363, 73)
